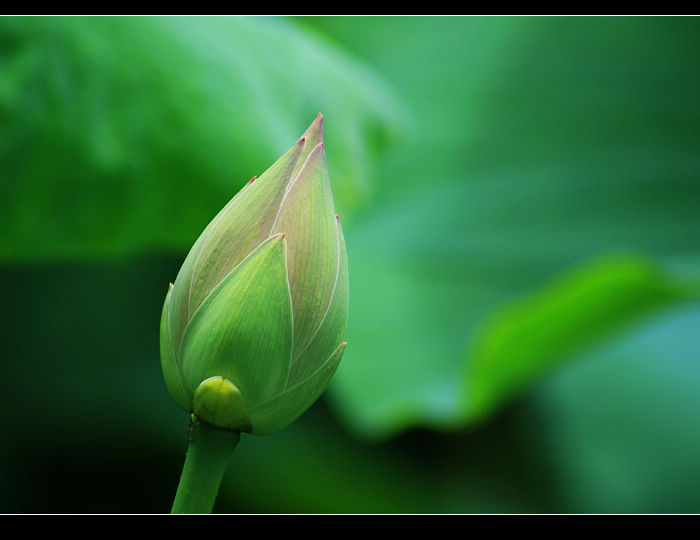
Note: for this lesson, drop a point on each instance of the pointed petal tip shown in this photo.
(278, 236)
(319, 119)
(339, 349)
(315, 130)
(315, 158)
(272, 242)
(318, 149)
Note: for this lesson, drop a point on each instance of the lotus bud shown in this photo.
(252, 329)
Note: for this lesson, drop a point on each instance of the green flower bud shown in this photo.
(252, 330)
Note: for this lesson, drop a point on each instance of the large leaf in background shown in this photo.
(93, 429)
(128, 134)
(539, 144)
(621, 424)
(529, 337)
(615, 431)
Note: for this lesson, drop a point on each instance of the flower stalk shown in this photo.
(207, 459)
(253, 328)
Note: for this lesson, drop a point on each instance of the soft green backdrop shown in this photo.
(521, 203)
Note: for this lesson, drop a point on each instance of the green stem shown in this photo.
(206, 462)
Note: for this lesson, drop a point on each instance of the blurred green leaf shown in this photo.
(528, 338)
(621, 423)
(526, 149)
(615, 430)
(124, 134)
(541, 144)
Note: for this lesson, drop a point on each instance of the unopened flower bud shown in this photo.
(252, 330)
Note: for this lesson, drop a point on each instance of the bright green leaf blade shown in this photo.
(276, 413)
(243, 330)
(529, 338)
(307, 216)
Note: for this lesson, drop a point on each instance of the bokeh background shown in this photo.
(521, 203)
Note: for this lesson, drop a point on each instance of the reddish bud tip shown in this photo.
(337, 217)
(252, 180)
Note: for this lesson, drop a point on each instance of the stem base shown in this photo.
(207, 459)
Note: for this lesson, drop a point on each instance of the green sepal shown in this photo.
(273, 415)
(172, 373)
(243, 330)
(218, 402)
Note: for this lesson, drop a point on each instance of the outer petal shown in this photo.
(278, 412)
(241, 226)
(333, 325)
(308, 219)
(243, 330)
(174, 379)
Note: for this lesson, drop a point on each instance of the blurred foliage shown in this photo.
(540, 144)
(520, 202)
(114, 122)
(526, 338)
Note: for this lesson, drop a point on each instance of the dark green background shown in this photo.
(521, 203)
